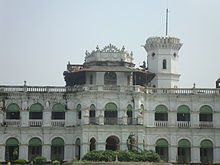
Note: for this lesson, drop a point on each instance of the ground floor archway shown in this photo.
(11, 149)
(112, 143)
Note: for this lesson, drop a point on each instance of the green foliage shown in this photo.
(74, 159)
(39, 160)
(20, 161)
(56, 162)
(123, 156)
(107, 156)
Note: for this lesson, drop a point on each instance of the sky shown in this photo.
(39, 37)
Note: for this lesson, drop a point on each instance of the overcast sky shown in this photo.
(39, 37)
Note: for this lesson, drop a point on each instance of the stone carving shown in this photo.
(131, 142)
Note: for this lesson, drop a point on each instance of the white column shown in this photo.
(84, 149)
(216, 155)
(70, 118)
(194, 118)
(2, 153)
(149, 118)
(195, 155)
(46, 118)
(23, 151)
(101, 117)
(172, 119)
(46, 151)
(101, 145)
(85, 117)
(24, 118)
(173, 154)
(68, 152)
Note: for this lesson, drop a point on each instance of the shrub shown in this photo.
(74, 159)
(20, 161)
(39, 160)
(106, 156)
(150, 156)
(56, 162)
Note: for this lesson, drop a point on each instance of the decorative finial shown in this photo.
(131, 53)
(194, 85)
(97, 47)
(25, 83)
(123, 48)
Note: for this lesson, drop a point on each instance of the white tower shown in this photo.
(162, 59)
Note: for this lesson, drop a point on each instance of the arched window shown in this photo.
(36, 111)
(79, 113)
(112, 143)
(129, 114)
(184, 151)
(206, 152)
(162, 149)
(111, 114)
(164, 64)
(110, 78)
(205, 113)
(34, 148)
(78, 149)
(57, 149)
(58, 112)
(11, 149)
(161, 113)
(92, 119)
(13, 111)
(92, 145)
(183, 113)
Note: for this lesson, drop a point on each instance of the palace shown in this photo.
(105, 100)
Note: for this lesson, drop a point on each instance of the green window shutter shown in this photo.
(184, 143)
(57, 142)
(35, 142)
(92, 107)
(206, 144)
(129, 107)
(205, 109)
(78, 108)
(161, 109)
(12, 142)
(13, 108)
(36, 107)
(162, 143)
(78, 141)
(183, 109)
(58, 108)
(111, 107)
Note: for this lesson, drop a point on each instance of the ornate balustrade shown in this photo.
(13, 122)
(58, 123)
(35, 123)
(205, 124)
(134, 88)
(93, 120)
(161, 123)
(183, 124)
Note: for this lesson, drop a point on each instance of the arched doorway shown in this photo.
(92, 145)
(34, 148)
(206, 152)
(162, 149)
(11, 149)
(77, 149)
(184, 151)
(112, 143)
(57, 149)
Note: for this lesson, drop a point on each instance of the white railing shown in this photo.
(206, 124)
(183, 124)
(35, 123)
(93, 120)
(12, 122)
(58, 123)
(134, 88)
(161, 123)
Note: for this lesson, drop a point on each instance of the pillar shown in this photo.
(195, 155)
(216, 157)
(46, 151)
(24, 118)
(2, 152)
(173, 154)
(23, 151)
(172, 119)
(84, 149)
(70, 118)
(46, 118)
(68, 152)
(100, 145)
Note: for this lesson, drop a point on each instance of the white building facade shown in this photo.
(105, 100)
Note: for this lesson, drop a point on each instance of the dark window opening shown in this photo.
(58, 115)
(205, 117)
(183, 117)
(91, 113)
(91, 79)
(110, 78)
(34, 151)
(57, 153)
(161, 117)
(13, 115)
(129, 114)
(79, 115)
(35, 115)
(164, 64)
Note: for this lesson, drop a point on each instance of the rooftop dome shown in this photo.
(109, 53)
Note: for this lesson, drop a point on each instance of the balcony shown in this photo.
(161, 123)
(15, 123)
(183, 124)
(113, 121)
(132, 121)
(206, 124)
(35, 123)
(58, 123)
(93, 121)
